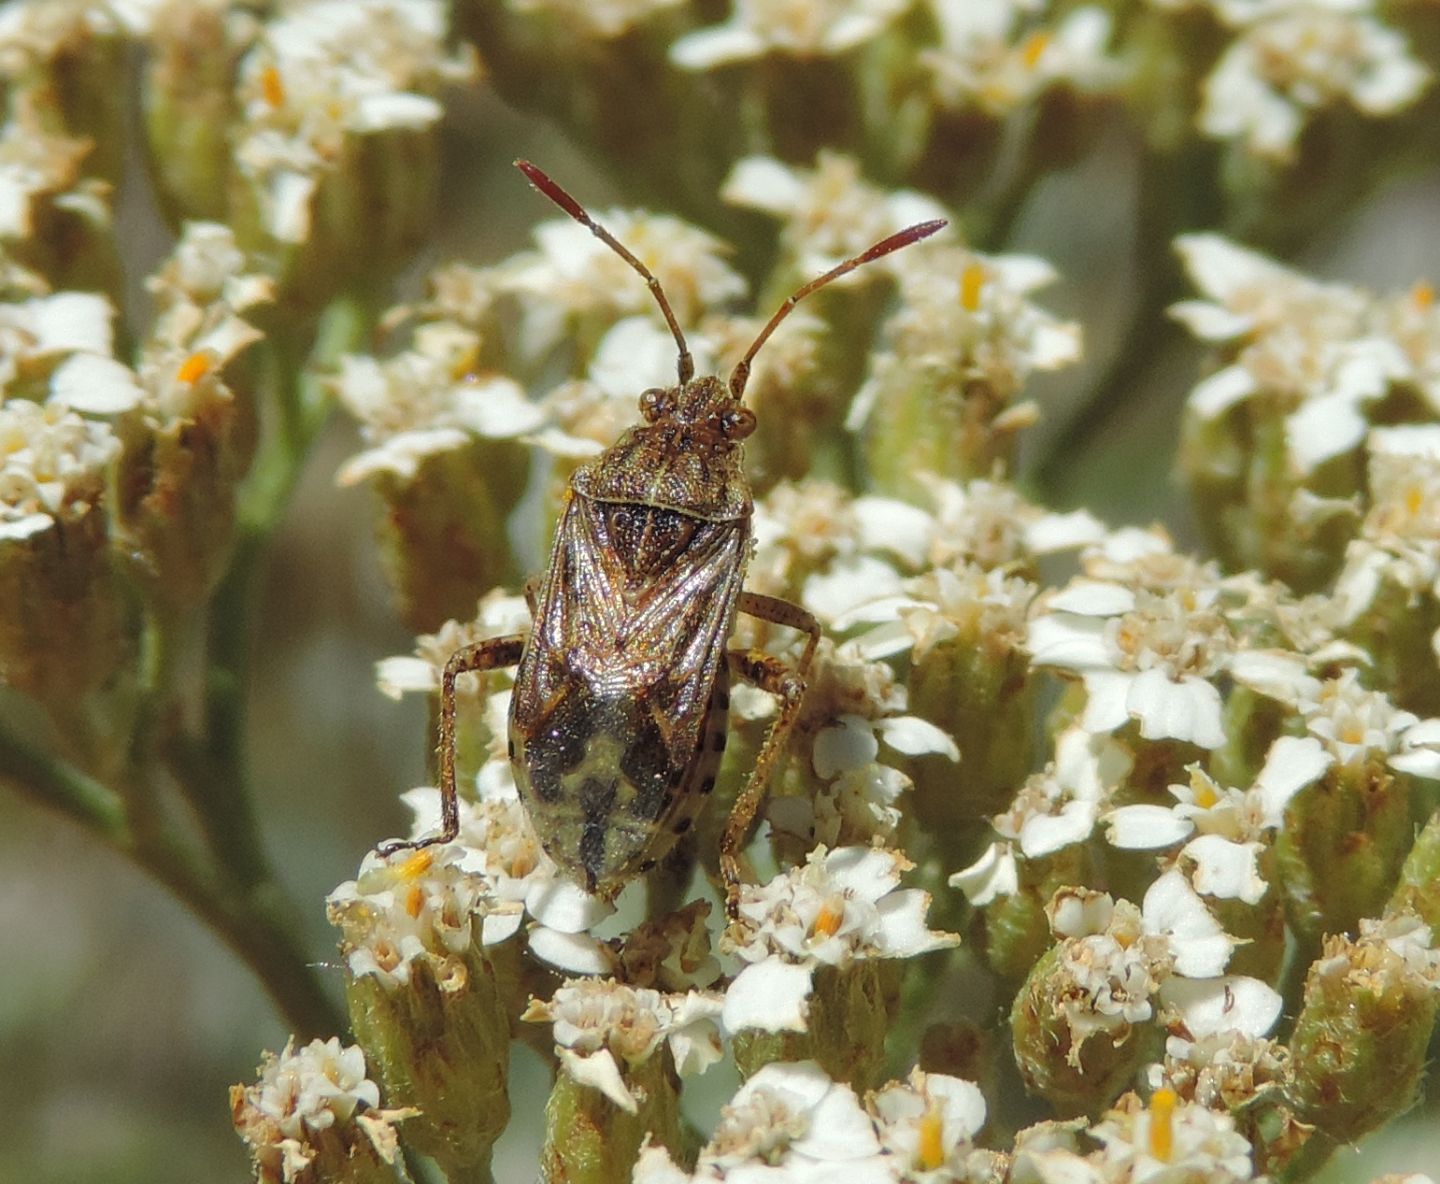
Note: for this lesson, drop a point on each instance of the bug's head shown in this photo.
(702, 405)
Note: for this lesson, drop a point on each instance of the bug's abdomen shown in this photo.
(604, 788)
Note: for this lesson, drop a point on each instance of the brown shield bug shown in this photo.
(620, 707)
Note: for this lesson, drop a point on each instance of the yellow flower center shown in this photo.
(1162, 1124)
(414, 900)
(1423, 294)
(972, 283)
(1414, 499)
(930, 1154)
(1033, 47)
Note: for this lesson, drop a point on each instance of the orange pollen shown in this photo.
(1033, 46)
(416, 865)
(1162, 1124)
(930, 1153)
(972, 283)
(414, 900)
(272, 86)
(827, 924)
(1423, 294)
(195, 367)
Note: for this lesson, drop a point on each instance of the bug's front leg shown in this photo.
(787, 684)
(490, 654)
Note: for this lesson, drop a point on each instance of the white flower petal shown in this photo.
(991, 876)
(1145, 827)
(561, 905)
(914, 736)
(1201, 947)
(1292, 763)
(574, 953)
(1093, 598)
(1234, 1003)
(849, 744)
(770, 995)
(95, 384)
(1189, 709)
(1226, 870)
(599, 1071)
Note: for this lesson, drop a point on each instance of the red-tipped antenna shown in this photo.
(685, 363)
(902, 238)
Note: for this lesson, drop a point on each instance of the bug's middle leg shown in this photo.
(490, 654)
(787, 684)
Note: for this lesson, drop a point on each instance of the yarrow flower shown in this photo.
(829, 212)
(315, 1106)
(1000, 54)
(840, 907)
(790, 1122)
(1151, 656)
(603, 1028)
(1317, 356)
(429, 399)
(326, 70)
(1290, 60)
(53, 463)
(1054, 809)
(605, 20)
(760, 27)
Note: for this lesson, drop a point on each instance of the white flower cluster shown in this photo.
(427, 400)
(1398, 546)
(1292, 58)
(325, 70)
(839, 907)
(790, 1124)
(602, 1027)
(306, 1093)
(51, 462)
(1118, 962)
(1168, 1139)
(969, 317)
(200, 292)
(1318, 355)
(40, 168)
(822, 28)
(1000, 54)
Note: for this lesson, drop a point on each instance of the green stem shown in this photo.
(251, 923)
(60, 786)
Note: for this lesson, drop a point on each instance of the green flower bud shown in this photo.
(190, 105)
(1343, 843)
(435, 1023)
(442, 535)
(1359, 1046)
(1083, 1022)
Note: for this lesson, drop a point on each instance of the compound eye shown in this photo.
(654, 403)
(738, 422)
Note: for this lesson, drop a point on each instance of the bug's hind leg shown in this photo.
(490, 654)
(787, 684)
